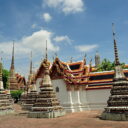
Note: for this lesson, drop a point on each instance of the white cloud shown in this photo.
(66, 6)
(47, 17)
(35, 42)
(86, 48)
(62, 39)
(34, 26)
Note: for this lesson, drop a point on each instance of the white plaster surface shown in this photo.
(79, 100)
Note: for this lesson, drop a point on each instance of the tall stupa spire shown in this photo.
(12, 78)
(115, 47)
(31, 63)
(1, 81)
(12, 62)
(46, 54)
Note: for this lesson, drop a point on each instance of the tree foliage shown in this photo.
(5, 76)
(107, 65)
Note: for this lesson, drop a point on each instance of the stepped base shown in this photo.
(5, 112)
(27, 106)
(114, 116)
(52, 114)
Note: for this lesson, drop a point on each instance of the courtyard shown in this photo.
(87, 119)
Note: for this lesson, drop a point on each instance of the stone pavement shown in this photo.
(87, 119)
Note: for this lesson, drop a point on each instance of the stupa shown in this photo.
(6, 102)
(29, 99)
(117, 108)
(13, 85)
(46, 105)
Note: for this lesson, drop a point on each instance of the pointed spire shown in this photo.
(97, 59)
(53, 58)
(46, 56)
(12, 62)
(84, 59)
(1, 67)
(56, 56)
(71, 59)
(90, 64)
(115, 47)
(1, 59)
(31, 63)
(90, 61)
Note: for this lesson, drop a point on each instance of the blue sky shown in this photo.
(71, 27)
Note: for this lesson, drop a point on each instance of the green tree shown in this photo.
(107, 65)
(5, 75)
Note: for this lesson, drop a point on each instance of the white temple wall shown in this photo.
(83, 99)
(65, 97)
(97, 99)
(74, 97)
(79, 100)
(62, 95)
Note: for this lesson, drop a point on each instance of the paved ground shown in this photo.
(86, 119)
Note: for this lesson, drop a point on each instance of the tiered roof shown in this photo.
(21, 81)
(79, 74)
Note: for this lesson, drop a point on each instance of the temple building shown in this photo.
(77, 84)
(47, 104)
(6, 102)
(117, 108)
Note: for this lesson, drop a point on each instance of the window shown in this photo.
(74, 67)
(100, 77)
(126, 74)
(57, 89)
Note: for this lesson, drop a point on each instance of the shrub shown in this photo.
(16, 95)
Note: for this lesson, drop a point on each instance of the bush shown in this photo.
(16, 95)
